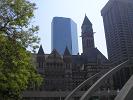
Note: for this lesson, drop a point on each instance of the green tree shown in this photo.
(17, 71)
(15, 19)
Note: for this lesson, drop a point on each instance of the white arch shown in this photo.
(84, 84)
(99, 82)
(126, 92)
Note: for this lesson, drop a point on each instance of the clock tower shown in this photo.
(87, 35)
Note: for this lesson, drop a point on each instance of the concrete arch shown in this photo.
(84, 84)
(99, 82)
(126, 92)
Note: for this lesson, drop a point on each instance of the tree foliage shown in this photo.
(17, 71)
(15, 19)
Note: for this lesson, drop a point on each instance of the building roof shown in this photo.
(77, 59)
(54, 56)
(40, 51)
(93, 55)
(66, 52)
(54, 53)
(110, 3)
(86, 21)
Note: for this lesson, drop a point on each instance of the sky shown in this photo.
(74, 9)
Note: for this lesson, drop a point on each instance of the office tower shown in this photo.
(64, 34)
(87, 35)
(118, 24)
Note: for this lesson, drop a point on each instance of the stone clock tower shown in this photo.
(87, 35)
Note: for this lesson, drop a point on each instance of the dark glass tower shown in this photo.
(118, 24)
(64, 34)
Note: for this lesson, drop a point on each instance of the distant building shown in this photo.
(118, 24)
(64, 34)
(62, 73)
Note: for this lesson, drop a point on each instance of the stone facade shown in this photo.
(62, 73)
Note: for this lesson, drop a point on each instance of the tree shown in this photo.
(17, 34)
(15, 18)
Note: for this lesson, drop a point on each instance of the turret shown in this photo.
(40, 59)
(40, 51)
(67, 57)
(87, 35)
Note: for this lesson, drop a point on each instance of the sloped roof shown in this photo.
(77, 59)
(40, 51)
(66, 52)
(93, 55)
(86, 21)
(54, 53)
(54, 56)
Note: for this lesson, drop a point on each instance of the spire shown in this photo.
(40, 51)
(54, 56)
(67, 56)
(86, 21)
(55, 53)
(66, 52)
(87, 35)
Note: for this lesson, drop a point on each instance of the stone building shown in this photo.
(62, 73)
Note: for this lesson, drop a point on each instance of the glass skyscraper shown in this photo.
(64, 34)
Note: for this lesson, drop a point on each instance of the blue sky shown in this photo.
(74, 9)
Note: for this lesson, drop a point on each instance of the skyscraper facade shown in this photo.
(118, 24)
(64, 34)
